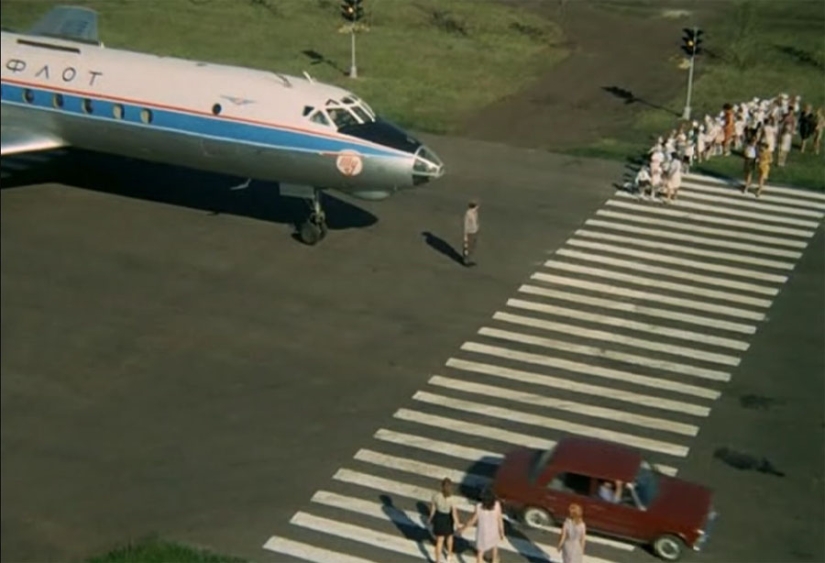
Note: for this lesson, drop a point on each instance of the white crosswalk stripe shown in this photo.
(657, 283)
(682, 249)
(650, 296)
(670, 272)
(565, 405)
(618, 338)
(688, 216)
(629, 334)
(635, 325)
(592, 370)
(763, 205)
(634, 359)
(652, 256)
(797, 193)
(651, 234)
(680, 203)
(689, 187)
(694, 228)
(566, 384)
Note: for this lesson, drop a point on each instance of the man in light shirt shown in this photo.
(471, 226)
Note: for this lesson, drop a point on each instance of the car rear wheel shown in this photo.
(668, 547)
(537, 517)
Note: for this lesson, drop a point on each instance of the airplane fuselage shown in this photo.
(233, 120)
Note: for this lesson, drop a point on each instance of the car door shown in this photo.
(564, 488)
(621, 519)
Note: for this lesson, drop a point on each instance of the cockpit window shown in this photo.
(342, 117)
(320, 117)
(307, 110)
(368, 109)
(362, 115)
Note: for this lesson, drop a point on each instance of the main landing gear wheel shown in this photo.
(314, 229)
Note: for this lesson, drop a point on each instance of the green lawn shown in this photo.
(762, 48)
(153, 550)
(425, 64)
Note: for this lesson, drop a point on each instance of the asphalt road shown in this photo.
(774, 408)
(173, 362)
(706, 354)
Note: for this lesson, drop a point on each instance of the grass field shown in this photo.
(762, 48)
(425, 64)
(153, 550)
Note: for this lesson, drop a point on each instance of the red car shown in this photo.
(622, 495)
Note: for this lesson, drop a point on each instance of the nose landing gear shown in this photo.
(314, 229)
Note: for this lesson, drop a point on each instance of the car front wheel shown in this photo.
(668, 547)
(537, 517)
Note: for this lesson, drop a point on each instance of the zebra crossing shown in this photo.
(629, 333)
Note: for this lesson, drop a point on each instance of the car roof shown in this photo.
(596, 458)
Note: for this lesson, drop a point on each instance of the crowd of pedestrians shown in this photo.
(761, 130)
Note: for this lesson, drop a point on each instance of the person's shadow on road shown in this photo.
(440, 245)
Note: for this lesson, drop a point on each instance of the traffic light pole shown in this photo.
(353, 70)
(686, 113)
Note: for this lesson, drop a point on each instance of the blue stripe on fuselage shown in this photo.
(193, 124)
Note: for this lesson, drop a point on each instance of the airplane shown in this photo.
(61, 87)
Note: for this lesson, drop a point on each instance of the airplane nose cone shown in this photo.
(427, 166)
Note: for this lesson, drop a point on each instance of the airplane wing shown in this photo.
(68, 22)
(17, 140)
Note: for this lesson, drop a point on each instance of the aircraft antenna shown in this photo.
(308, 77)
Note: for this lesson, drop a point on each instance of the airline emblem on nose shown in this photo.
(349, 163)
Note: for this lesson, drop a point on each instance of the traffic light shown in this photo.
(352, 10)
(692, 41)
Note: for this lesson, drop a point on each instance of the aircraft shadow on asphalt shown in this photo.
(175, 185)
(443, 247)
(746, 462)
(630, 98)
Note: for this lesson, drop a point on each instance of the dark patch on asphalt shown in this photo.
(758, 402)
(746, 462)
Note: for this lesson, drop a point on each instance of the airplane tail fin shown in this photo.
(73, 23)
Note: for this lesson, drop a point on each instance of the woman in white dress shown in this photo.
(785, 144)
(490, 528)
(674, 179)
(573, 536)
(769, 135)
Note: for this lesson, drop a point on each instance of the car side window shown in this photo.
(627, 498)
(570, 483)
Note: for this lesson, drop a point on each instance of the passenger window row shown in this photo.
(88, 106)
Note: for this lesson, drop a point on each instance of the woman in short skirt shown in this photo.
(444, 519)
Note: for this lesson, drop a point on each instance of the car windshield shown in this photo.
(540, 461)
(647, 484)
